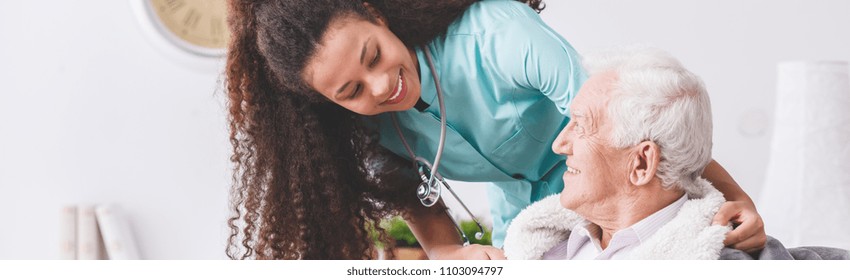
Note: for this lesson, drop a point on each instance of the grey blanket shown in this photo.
(774, 250)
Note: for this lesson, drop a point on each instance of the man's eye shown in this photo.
(377, 57)
(579, 129)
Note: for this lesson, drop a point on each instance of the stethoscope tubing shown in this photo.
(434, 173)
(443, 117)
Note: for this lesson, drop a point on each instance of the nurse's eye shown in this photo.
(355, 92)
(376, 59)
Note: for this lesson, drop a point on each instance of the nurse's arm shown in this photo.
(438, 236)
(739, 209)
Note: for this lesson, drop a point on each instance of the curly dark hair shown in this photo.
(417, 22)
(309, 179)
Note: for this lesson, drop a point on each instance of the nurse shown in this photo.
(319, 159)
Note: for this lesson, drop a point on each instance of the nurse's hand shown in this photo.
(471, 252)
(748, 235)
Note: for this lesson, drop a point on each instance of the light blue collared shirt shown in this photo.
(507, 80)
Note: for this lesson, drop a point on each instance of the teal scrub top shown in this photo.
(507, 80)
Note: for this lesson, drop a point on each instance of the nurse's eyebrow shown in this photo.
(363, 51)
(342, 88)
(362, 57)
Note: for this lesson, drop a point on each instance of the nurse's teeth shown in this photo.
(397, 90)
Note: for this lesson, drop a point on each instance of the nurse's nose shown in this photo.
(378, 84)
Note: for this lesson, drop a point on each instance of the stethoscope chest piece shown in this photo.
(429, 194)
(428, 191)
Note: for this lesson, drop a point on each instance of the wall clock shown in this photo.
(198, 27)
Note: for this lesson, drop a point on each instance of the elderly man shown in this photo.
(638, 139)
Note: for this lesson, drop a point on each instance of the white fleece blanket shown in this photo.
(689, 235)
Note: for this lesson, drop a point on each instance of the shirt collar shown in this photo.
(428, 92)
(634, 235)
(649, 225)
(582, 233)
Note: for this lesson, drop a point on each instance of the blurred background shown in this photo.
(98, 107)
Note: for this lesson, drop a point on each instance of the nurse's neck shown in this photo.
(415, 59)
(420, 104)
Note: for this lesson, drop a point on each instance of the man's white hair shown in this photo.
(655, 98)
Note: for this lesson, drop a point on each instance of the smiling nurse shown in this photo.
(329, 106)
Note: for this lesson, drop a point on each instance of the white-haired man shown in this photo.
(638, 139)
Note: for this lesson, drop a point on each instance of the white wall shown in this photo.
(92, 112)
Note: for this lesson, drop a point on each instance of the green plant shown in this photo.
(398, 230)
(470, 228)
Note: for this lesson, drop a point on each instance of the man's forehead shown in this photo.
(603, 82)
(596, 90)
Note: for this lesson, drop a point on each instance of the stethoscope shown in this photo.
(430, 189)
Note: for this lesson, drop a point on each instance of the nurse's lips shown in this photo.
(399, 92)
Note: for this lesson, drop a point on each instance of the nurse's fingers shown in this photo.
(748, 235)
(728, 211)
(495, 253)
(472, 252)
(752, 245)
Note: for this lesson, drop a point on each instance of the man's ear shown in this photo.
(375, 13)
(644, 163)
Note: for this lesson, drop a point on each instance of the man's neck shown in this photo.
(627, 209)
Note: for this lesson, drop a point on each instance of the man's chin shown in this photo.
(566, 202)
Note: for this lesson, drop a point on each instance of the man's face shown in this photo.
(596, 171)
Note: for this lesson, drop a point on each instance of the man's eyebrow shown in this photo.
(577, 113)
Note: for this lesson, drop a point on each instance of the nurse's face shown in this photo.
(596, 171)
(364, 67)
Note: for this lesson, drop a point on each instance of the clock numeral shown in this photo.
(174, 5)
(215, 27)
(191, 19)
(201, 23)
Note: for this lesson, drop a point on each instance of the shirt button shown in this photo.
(518, 176)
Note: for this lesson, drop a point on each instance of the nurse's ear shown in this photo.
(375, 13)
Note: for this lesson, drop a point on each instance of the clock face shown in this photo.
(199, 25)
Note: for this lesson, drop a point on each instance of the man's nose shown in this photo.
(562, 144)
